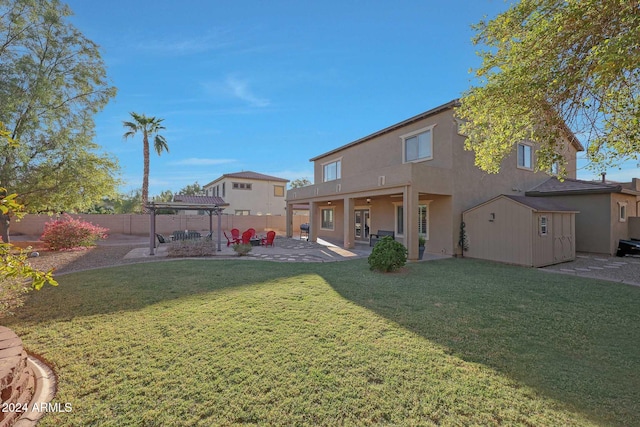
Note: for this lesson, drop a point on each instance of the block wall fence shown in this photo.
(138, 224)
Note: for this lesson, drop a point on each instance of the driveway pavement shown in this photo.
(616, 269)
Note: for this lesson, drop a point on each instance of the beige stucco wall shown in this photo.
(375, 168)
(634, 228)
(260, 200)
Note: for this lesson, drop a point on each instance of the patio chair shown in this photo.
(253, 232)
(271, 235)
(246, 237)
(231, 240)
(162, 239)
(235, 233)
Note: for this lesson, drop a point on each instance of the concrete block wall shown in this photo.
(132, 224)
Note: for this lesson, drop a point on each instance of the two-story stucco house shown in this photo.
(250, 193)
(413, 178)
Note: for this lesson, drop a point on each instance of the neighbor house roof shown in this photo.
(248, 175)
(554, 187)
(199, 200)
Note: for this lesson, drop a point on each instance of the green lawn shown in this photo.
(452, 342)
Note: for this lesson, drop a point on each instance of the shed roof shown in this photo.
(537, 204)
(540, 204)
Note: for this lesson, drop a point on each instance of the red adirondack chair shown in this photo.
(271, 235)
(246, 238)
(235, 237)
(253, 232)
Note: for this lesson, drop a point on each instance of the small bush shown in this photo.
(242, 249)
(70, 233)
(192, 248)
(387, 255)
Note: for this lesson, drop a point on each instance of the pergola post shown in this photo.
(152, 231)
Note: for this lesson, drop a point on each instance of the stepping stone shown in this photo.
(611, 266)
(582, 269)
(596, 268)
(582, 256)
(601, 259)
(567, 270)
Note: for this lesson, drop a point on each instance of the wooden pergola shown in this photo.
(216, 210)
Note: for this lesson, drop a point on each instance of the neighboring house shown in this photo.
(606, 210)
(197, 200)
(250, 193)
(413, 178)
(529, 231)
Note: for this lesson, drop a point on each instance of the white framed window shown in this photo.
(327, 218)
(241, 212)
(417, 146)
(423, 219)
(622, 211)
(544, 226)
(525, 156)
(332, 170)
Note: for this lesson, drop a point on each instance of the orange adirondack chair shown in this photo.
(271, 235)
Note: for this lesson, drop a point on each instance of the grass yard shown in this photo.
(451, 342)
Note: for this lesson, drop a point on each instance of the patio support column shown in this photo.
(313, 226)
(349, 223)
(410, 207)
(289, 220)
(152, 231)
(219, 215)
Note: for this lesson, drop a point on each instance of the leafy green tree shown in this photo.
(17, 277)
(192, 190)
(300, 182)
(53, 83)
(148, 126)
(128, 203)
(548, 63)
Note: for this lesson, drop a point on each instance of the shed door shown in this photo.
(562, 237)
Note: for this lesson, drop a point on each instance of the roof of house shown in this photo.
(199, 200)
(451, 104)
(554, 187)
(248, 175)
(391, 128)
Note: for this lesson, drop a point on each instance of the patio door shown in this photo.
(362, 224)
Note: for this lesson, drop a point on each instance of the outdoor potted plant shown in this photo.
(421, 242)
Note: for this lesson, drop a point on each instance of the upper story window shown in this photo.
(242, 186)
(418, 146)
(525, 156)
(332, 171)
(278, 190)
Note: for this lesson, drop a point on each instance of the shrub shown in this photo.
(192, 248)
(387, 255)
(242, 249)
(69, 233)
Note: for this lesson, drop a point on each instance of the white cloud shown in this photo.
(240, 89)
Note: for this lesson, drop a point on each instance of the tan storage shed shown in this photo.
(528, 231)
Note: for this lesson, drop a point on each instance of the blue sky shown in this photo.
(267, 85)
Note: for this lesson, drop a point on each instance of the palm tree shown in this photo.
(148, 126)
